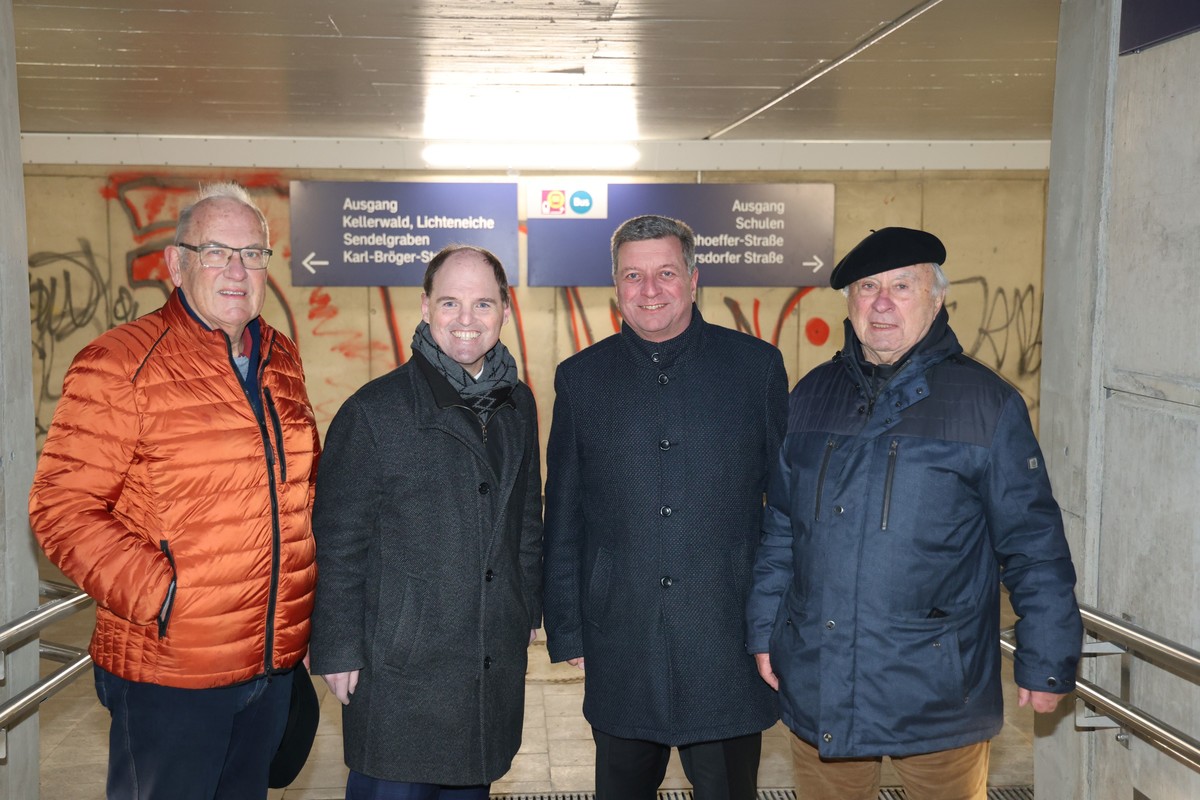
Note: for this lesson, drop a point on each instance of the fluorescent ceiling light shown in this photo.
(531, 155)
(525, 112)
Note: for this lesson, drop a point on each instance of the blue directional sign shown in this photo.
(746, 234)
(383, 234)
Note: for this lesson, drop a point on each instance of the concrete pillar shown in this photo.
(18, 561)
(1120, 422)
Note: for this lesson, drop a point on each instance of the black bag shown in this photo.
(303, 714)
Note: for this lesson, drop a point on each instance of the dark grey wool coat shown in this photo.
(428, 578)
(657, 464)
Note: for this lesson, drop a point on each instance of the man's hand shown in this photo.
(1043, 702)
(763, 662)
(532, 635)
(342, 684)
(576, 662)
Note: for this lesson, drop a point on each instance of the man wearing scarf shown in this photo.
(908, 486)
(428, 527)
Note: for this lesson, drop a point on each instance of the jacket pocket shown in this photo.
(829, 446)
(410, 623)
(893, 450)
(164, 612)
(927, 665)
(599, 591)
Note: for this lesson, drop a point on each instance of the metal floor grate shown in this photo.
(997, 793)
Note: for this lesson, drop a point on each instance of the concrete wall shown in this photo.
(1121, 389)
(18, 565)
(95, 241)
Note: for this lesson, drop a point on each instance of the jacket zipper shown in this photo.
(887, 484)
(277, 425)
(164, 613)
(821, 478)
(266, 349)
(273, 594)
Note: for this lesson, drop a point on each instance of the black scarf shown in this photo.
(484, 394)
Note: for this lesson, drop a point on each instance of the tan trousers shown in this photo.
(958, 774)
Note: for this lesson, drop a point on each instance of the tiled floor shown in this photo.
(557, 754)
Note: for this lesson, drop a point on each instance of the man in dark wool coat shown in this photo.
(428, 528)
(656, 468)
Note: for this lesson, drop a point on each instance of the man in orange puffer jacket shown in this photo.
(175, 487)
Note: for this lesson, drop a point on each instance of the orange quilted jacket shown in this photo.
(156, 468)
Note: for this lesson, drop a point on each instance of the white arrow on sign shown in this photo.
(816, 263)
(309, 262)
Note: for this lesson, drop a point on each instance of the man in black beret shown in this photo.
(908, 486)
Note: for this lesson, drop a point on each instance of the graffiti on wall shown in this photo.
(68, 296)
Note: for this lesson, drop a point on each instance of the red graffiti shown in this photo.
(352, 344)
(817, 331)
(149, 267)
(389, 315)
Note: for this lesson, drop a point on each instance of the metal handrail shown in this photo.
(68, 600)
(1154, 731)
(1159, 649)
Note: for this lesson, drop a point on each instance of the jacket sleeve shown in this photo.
(776, 409)
(347, 500)
(81, 475)
(531, 524)
(1026, 528)
(564, 532)
(772, 574)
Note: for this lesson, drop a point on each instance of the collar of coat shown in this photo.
(936, 346)
(177, 311)
(659, 355)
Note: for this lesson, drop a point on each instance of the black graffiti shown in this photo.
(1008, 335)
(68, 293)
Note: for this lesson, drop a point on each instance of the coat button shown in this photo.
(830, 624)
(664, 444)
(827, 737)
(484, 488)
(666, 581)
(838, 510)
(487, 576)
(654, 357)
(487, 662)
(1052, 682)
(665, 511)
(663, 379)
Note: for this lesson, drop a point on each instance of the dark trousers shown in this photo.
(364, 787)
(192, 744)
(632, 769)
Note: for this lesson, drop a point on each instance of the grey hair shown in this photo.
(213, 192)
(941, 284)
(653, 226)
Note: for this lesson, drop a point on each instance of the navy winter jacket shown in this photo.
(890, 521)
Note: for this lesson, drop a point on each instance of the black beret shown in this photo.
(885, 249)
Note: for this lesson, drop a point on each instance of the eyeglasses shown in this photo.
(218, 256)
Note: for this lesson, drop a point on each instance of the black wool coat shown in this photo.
(428, 577)
(657, 465)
